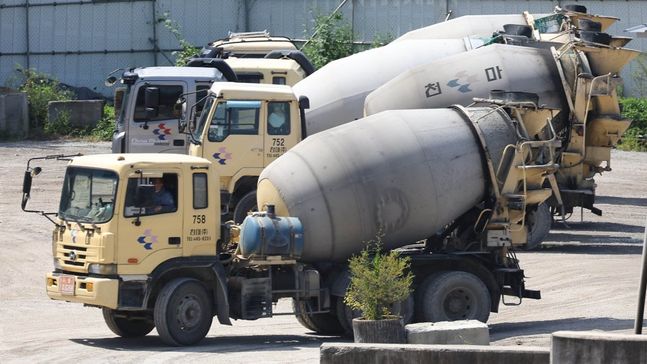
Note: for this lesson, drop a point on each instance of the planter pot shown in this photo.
(388, 330)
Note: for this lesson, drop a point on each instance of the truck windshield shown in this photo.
(203, 120)
(88, 195)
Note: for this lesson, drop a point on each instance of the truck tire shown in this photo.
(451, 296)
(125, 327)
(321, 323)
(183, 312)
(245, 205)
(539, 223)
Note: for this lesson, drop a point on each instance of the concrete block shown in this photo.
(351, 353)
(597, 347)
(14, 116)
(81, 113)
(467, 332)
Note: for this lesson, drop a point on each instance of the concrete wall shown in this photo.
(331, 353)
(14, 118)
(85, 113)
(593, 347)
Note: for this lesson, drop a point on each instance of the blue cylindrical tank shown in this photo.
(264, 234)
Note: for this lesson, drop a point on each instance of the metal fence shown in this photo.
(79, 42)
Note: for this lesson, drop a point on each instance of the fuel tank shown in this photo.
(337, 90)
(461, 77)
(402, 174)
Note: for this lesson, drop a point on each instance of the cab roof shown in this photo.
(205, 73)
(262, 91)
(129, 160)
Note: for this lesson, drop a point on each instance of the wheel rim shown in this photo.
(189, 312)
(458, 304)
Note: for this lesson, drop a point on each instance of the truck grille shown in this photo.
(77, 256)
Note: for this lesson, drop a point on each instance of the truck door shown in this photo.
(156, 130)
(234, 142)
(282, 129)
(151, 230)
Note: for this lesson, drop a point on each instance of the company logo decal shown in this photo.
(148, 239)
(162, 131)
(462, 82)
(222, 155)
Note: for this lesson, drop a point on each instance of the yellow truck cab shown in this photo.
(242, 129)
(120, 240)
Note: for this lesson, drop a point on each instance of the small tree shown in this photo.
(378, 280)
(332, 39)
(188, 50)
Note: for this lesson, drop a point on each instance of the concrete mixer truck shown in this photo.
(450, 187)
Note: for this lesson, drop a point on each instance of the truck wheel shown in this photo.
(321, 323)
(125, 327)
(539, 222)
(451, 296)
(183, 312)
(245, 205)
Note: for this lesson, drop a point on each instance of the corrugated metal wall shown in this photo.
(79, 42)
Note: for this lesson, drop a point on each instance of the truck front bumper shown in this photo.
(94, 291)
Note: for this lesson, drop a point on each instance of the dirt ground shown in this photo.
(588, 273)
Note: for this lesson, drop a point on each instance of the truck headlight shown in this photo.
(103, 269)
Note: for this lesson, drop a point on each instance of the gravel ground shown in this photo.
(588, 272)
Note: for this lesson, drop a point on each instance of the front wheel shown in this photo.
(183, 312)
(123, 326)
(244, 206)
(451, 296)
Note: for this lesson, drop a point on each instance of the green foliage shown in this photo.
(639, 75)
(188, 50)
(378, 280)
(106, 126)
(380, 40)
(635, 138)
(41, 89)
(332, 39)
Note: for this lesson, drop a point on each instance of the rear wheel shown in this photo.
(451, 296)
(321, 323)
(244, 206)
(123, 326)
(183, 312)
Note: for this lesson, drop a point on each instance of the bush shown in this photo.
(41, 89)
(378, 280)
(333, 39)
(106, 126)
(635, 138)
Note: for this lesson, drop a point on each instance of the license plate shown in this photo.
(66, 285)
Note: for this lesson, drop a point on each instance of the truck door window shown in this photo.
(151, 196)
(278, 118)
(167, 103)
(234, 117)
(200, 192)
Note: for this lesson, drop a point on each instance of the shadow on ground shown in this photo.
(219, 344)
(528, 328)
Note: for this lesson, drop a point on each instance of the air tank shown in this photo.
(401, 173)
(337, 90)
(461, 77)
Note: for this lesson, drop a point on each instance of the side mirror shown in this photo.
(152, 97)
(26, 184)
(143, 195)
(304, 102)
(152, 101)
